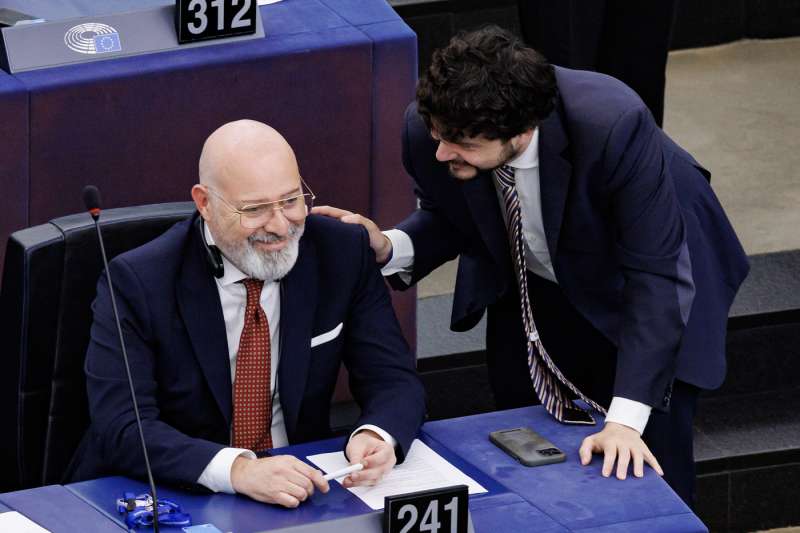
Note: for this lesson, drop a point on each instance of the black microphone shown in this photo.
(91, 198)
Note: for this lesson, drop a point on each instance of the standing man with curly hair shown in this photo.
(594, 243)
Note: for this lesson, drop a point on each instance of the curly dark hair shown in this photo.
(486, 82)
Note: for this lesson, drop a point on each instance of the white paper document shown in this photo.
(423, 469)
(267, 2)
(13, 522)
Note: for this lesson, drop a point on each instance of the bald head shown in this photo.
(243, 152)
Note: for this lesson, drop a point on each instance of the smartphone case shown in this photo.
(527, 446)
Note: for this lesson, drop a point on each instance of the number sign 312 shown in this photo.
(198, 20)
(431, 511)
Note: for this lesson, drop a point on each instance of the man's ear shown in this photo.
(200, 197)
(524, 138)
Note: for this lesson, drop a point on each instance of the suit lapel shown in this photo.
(298, 303)
(198, 301)
(481, 197)
(554, 176)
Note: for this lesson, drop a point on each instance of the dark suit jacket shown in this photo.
(639, 243)
(175, 335)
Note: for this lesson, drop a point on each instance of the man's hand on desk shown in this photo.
(620, 443)
(284, 480)
(376, 454)
(379, 242)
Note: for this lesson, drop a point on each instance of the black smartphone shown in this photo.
(527, 446)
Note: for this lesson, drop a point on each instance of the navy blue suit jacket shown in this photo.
(175, 334)
(639, 243)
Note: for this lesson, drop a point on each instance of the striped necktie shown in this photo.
(550, 385)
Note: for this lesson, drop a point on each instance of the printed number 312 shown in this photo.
(200, 9)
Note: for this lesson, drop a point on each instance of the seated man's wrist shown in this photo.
(376, 432)
(217, 475)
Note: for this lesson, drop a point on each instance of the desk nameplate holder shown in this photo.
(80, 40)
(363, 523)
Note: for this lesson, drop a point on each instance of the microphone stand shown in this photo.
(95, 212)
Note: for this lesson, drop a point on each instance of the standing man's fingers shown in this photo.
(380, 243)
(610, 454)
(585, 452)
(330, 211)
(638, 463)
(623, 459)
(651, 460)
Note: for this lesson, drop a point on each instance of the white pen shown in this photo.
(343, 472)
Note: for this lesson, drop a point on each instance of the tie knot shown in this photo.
(253, 287)
(505, 175)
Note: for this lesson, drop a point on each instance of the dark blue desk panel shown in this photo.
(510, 513)
(232, 512)
(683, 523)
(13, 158)
(241, 514)
(572, 495)
(56, 508)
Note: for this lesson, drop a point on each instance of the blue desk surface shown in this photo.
(59, 510)
(574, 496)
(497, 508)
(555, 498)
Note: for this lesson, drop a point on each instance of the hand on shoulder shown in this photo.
(379, 242)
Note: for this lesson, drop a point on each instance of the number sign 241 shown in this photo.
(198, 20)
(430, 511)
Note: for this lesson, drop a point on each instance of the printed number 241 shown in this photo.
(430, 520)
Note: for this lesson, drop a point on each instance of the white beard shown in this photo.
(263, 264)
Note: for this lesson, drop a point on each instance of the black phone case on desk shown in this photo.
(527, 446)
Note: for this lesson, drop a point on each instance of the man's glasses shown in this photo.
(254, 216)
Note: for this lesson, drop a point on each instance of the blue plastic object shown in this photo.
(138, 511)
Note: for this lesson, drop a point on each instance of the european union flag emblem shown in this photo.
(107, 42)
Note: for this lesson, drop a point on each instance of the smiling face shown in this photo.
(245, 163)
(469, 155)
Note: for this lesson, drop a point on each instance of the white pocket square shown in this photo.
(328, 336)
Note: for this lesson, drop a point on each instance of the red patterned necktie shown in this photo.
(550, 384)
(252, 403)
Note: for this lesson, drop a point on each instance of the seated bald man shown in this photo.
(236, 322)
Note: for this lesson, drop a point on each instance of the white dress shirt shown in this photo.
(537, 256)
(233, 299)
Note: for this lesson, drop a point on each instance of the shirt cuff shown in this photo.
(217, 474)
(384, 435)
(402, 253)
(628, 413)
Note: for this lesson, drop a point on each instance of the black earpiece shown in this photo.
(212, 253)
